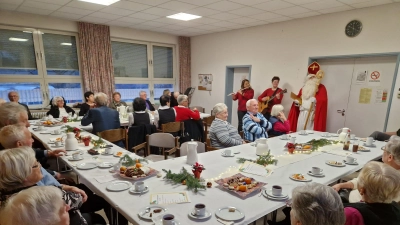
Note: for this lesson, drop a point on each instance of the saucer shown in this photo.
(72, 159)
(160, 222)
(372, 146)
(133, 190)
(353, 163)
(327, 136)
(104, 153)
(303, 134)
(269, 193)
(273, 198)
(309, 131)
(105, 165)
(207, 215)
(285, 139)
(224, 155)
(144, 213)
(334, 135)
(315, 175)
(55, 146)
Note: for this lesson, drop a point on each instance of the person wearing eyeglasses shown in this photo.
(59, 108)
(13, 96)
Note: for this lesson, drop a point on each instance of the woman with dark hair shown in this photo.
(270, 93)
(89, 98)
(244, 94)
(139, 115)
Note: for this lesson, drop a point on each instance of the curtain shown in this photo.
(184, 64)
(96, 58)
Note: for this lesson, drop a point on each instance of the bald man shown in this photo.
(14, 97)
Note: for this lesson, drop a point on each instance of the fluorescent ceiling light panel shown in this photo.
(17, 39)
(69, 44)
(101, 2)
(25, 31)
(183, 16)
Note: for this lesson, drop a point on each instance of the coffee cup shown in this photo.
(276, 190)
(292, 140)
(168, 219)
(45, 118)
(139, 186)
(369, 141)
(108, 150)
(352, 136)
(227, 152)
(284, 136)
(199, 209)
(316, 170)
(58, 143)
(350, 159)
(50, 117)
(76, 155)
(303, 132)
(38, 123)
(39, 128)
(57, 131)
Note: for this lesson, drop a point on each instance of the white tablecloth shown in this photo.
(217, 166)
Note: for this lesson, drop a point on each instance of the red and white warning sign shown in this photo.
(374, 79)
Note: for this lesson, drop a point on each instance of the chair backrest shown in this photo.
(172, 127)
(201, 147)
(200, 108)
(241, 133)
(209, 147)
(207, 123)
(114, 135)
(163, 140)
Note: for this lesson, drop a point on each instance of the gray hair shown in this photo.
(219, 107)
(393, 147)
(56, 99)
(176, 94)
(100, 98)
(381, 182)
(16, 165)
(35, 205)
(182, 98)
(141, 92)
(248, 103)
(316, 204)
(10, 134)
(276, 109)
(10, 113)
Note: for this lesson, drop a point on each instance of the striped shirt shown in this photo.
(252, 130)
(223, 134)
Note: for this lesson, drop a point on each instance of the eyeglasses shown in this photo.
(37, 165)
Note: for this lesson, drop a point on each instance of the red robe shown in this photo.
(320, 112)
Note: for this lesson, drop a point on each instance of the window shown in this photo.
(39, 65)
(140, 66)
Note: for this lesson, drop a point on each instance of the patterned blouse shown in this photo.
(223, 134)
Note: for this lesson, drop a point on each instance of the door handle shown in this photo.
(341, 111)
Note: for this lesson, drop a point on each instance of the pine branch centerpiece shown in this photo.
(263, 160)
(185, 178)
(316, 144)
(127, 161)
(99, 142)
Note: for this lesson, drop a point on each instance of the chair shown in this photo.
(209, 147)
(207, 123)
(160, 140)
(201, 109)
(115, 135)
(172, 127)
(201, 147)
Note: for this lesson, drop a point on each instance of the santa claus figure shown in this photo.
(309, 109)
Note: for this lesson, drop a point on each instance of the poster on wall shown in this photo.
(205, 82)
(374, 78)
(365, 96)
(381, 95)
(361, 77)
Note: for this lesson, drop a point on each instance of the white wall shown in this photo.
(283, 48)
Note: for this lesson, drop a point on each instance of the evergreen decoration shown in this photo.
(191, 182)
(99, 142)
(263, 160)
(72, 129)
(127, 161)
(316, 144)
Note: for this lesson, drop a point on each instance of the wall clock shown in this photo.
(353, 28)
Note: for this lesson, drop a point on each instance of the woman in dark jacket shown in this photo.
(59, 108)
(89, 104)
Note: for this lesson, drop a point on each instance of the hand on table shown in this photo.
(255, 118)
(75, 190)
(56, 153)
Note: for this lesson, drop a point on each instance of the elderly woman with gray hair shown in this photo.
(59, 108)
(316, 204)
(280, 125)
(183, 112)
(222, 133)
(379, 186)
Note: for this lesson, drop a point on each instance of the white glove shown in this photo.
(312, 99)
(296, 102)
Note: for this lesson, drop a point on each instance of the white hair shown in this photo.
(11, 134)
(56, 99)
(276, 109)
(380, 181)
(176, 94)
(16, 165)
(10, 113)
(248, 103)
(218, 108)
(100, 98)
(310, 87)
(141, 92)
(181, 98)
(316, 204)
(35, 205)
(393, 147)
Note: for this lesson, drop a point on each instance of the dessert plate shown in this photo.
(335, 163)
(224, 213)
(299, 177)
(105, 165)
(70, 158)
(86, 166)
(119, 185)
(353, 163)
(145, 212)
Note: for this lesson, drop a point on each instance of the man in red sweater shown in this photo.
(270, 93)
(183, 112)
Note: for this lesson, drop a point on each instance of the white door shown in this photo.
(239, 74)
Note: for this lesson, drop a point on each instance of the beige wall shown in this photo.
(283, 48)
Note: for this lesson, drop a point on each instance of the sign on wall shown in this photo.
(205, 82)
(374, 78)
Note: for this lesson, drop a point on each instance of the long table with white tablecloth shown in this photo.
(217, 166)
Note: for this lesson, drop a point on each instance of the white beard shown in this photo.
(309, 88)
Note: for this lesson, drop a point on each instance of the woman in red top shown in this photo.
(182, 112)
(243, 95)
(269, 93)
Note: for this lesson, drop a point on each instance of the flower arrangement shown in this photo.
(291, 148)
(72, 129)
(197, 169)
(86, 140)
(99, 142)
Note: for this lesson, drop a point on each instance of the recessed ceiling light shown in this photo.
(17, 39)
(183, 16)
(66, 44)
(101, 2)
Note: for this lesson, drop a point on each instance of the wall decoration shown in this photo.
(205, 82)
(374, 79)
(365, 95)
(361, 77)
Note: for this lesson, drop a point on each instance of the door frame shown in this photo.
(230, 70)
(396, 69)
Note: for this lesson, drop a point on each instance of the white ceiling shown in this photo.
(217, 15)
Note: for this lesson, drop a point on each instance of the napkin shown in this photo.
(105, 179)
(338, 152)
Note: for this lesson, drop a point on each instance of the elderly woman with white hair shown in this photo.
(59, 108)
(183, 112)
(379, 186)
(316, 204)
(280, 125)
(390, 156)
(222, 133)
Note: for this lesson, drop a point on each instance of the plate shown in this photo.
(303, 134)
(335, 163)
(55, 146)
(72, 159)
(206, 215)
(327, 136)
(223, 154)
(365, 139)
(151, 173)
(269, 193)
(285, 139)
(353, 163)
(119, 185)
(304, 180)
(372, 146)
(362, 149)
(224, 213)
(309, 131)
(133, 191)
(334, 135)
(273, 198)
(105, 165)
(86, 166)
(315, 175)
(234, 179)
(104, 153)
(144, 214)
(159, 221)
(117, 155)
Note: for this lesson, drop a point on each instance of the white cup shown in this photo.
(227, 152)
(352, 136)
(292, 140)
(50, 117)
(369, 141)
(325, 134)
(57, 131)
(316, 170)
(39, 128)
(108, 150)
(350, 159)
(76, 155)
(277, 190)
(303, 132)
(284, 136)
(38, 123)
(58, 143)
(45, 118)
(168, 219)
(139, 186)
(199, 209)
